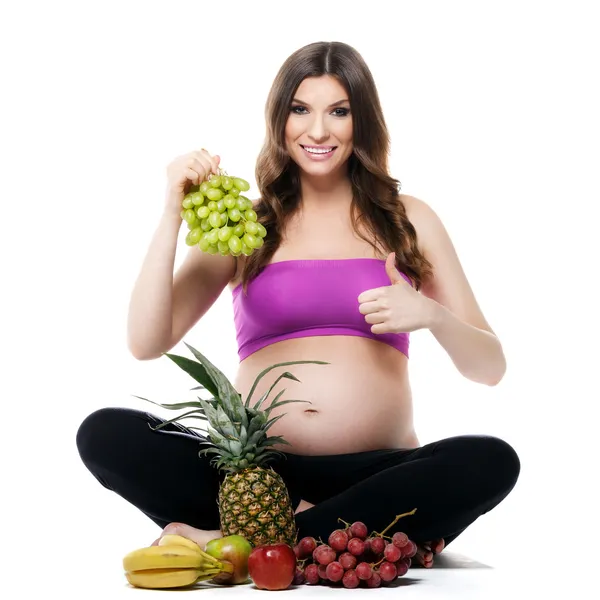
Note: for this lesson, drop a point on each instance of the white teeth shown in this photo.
(315, 151)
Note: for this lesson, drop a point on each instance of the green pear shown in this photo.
(236, 549)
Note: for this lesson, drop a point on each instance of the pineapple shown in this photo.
(253, 499)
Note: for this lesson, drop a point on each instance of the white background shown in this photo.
(493, 113)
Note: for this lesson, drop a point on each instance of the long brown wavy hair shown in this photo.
(376, 199)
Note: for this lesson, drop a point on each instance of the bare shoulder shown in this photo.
(449, 284)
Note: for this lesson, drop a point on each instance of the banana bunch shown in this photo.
(175, 562)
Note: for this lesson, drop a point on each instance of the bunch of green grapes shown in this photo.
(220, 219)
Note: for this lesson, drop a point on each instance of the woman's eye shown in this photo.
(341, 112)
(338, 112)
(297, 109)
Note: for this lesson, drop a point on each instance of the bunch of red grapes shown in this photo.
(352, 557)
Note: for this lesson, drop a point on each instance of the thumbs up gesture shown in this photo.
(395, 308)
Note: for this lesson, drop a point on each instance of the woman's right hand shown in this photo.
(187, 170)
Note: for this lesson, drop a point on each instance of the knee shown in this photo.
(498, 463)
(96, 431)
(487, 461)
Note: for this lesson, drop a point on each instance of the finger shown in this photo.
(371, 295)
(366, 308)
(202, 165)
(375, 317)
(186, 531)
(213, 160)
(380, 328)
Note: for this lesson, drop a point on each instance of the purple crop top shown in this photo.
(301, 298)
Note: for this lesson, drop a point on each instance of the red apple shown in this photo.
(272, 566)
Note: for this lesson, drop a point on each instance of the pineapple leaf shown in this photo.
(196, 370)
(275, 439)
(284, 364)
(286, 375)
(256, 423)
(264, 397)
(226, 391)
(272, 421)
(172, 406)
(276, 404)
(187, 415)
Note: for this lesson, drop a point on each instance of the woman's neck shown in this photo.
(323, 193)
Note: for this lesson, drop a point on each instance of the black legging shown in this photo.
(450, 482)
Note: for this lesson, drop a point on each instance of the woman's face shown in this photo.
(318, 132)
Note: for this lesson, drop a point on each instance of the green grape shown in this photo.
(241, 204)
(221, 205)
(212, 205)
(212, 249)
(205, 225)
(239, 230)
(251, 227)
(214, 194)
(203, 211)
(215, 181)
(190, 216)
(224, 218)
(223, 247)
(193, 237)
(187, 202)
(215, 218)
(225, 233)
(182, 214)
(234, 243)
(251, 215)
(241, 184)
(229, 201)
(259, 242)
(262, 232)
(197, 198)
(234, 192)
(204, 187)
(249, 240)
(234, 214)
(246, 250)
(203, 244)
(213, 236)
(226, 182)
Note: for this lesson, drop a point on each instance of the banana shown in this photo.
(171, 539)
(163, 578)
(164, 557)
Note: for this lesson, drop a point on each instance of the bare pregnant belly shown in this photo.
(360, 401)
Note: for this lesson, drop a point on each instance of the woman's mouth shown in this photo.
(318, 152)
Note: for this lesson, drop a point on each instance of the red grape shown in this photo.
(392, 553)
(377, 545)
(307, 546)
(347, 560)
(399, 539)
(387, 571)
(359, 530)
(323, 554)
(299, 577)
(338, 540)
(311, 572)
(401, 568)
(356, 546)
(297, 551)
(334, 571)
(407, 561)
(409, 550)
(374, 581)
(364, 571)
(322, 571)
(350, 579)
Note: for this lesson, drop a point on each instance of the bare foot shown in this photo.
(426, 552)
(200, 536)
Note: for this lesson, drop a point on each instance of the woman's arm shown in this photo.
(457, 321)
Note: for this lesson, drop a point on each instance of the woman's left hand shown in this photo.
(395, 308)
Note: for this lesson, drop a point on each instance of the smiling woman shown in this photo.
(348, 270)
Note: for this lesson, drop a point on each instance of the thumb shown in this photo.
(186, 531)
(390, 268)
